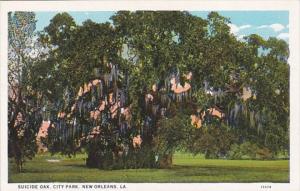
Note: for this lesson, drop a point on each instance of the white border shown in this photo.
(290, 5)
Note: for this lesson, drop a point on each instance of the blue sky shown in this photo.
(264, 23)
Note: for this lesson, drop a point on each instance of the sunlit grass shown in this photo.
(186, 168)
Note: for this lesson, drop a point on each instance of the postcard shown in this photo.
(150, 95)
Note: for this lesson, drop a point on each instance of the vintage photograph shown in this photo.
(148, 96)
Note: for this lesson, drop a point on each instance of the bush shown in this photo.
(235, 152)
(246, 150)
(213, 140)
(264, 154)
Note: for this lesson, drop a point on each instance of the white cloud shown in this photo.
(283, 36)
(235, 29)
(288, 26)
(263, 26)
(245, 26)
(275, 27)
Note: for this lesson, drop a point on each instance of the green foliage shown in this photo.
(60, 29)
(24, 103)
(148, 47)
(248, 150)
(172, 134)
(212, 140)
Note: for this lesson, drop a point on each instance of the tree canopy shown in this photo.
(151, 82)
(24, 101)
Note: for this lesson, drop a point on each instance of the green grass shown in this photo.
(186, 168)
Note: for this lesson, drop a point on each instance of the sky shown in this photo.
(264, 23)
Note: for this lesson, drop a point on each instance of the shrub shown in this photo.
(246, 150)
(264, 154)
(235, 152)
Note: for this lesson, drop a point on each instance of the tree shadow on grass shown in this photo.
(77, 166)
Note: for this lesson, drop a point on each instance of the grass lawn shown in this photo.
(186, 168)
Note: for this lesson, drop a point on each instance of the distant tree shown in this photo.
(24, 103)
